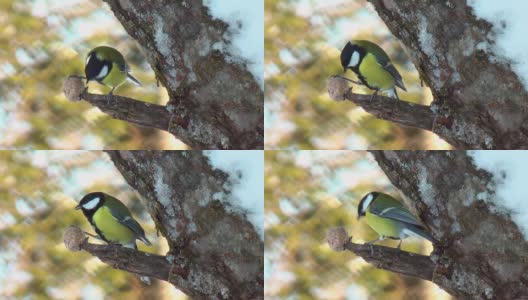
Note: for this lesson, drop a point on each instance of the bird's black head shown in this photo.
(90, 203)
(365, 202)
(96, 69)
(346, 56)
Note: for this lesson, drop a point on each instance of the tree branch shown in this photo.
(136, 112)
(182, 270)
(386, 258)
(460, 128)
(130, 260)
(385, 108)
(395, 260)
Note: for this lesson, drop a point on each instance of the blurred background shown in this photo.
(38, 192)
(309, 192)
(42, 42)
(303, 40)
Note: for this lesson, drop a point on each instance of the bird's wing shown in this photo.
(389, 67)
(122, 217)
(133, 79)
(397, 213)
(124, 68)
(136, 228)
(133, 225)
(384, 61)
(381, 57)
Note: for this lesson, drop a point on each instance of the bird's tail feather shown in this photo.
(420, 232)
(400, 84)
(145, 240)
(133, 80)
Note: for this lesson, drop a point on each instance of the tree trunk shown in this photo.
(215, 253)
(214, 103)
(479, 103)
(481, 254)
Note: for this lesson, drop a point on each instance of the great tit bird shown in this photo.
(372, 66)
(389, 218)
(112, 220)
(107, 66)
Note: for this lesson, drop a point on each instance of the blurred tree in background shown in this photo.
(303, 39)
(38, 193)
(41, 43)
(309, 192)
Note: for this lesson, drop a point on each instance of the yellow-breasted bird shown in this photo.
(112, 220)
(107, 66)
(389, 218)
(372, 66)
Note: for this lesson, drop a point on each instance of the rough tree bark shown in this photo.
(214, 103)
(478, 103)
(481, 254)
(214, 253)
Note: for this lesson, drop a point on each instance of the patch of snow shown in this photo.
(246, 32)
(509, 174)
(246, 171)
(509, 21)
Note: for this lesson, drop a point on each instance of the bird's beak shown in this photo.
(78, 207)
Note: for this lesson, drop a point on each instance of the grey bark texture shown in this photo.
(215, 253)
(479, 103)
(481, 253)
(214, 102)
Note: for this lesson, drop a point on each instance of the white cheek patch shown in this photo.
(92, 203)
(366, 203)
(89, 57)
(354, 59)
(102, 73)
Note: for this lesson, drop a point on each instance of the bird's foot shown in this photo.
(108, 99)
(399, 245)
(375, 94)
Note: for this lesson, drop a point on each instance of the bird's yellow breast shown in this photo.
(375, 75)
(115, 78)
(383, 226)
(111, 228)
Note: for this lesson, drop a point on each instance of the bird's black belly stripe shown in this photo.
(99, 232)
(361, 78)
(364, 81)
